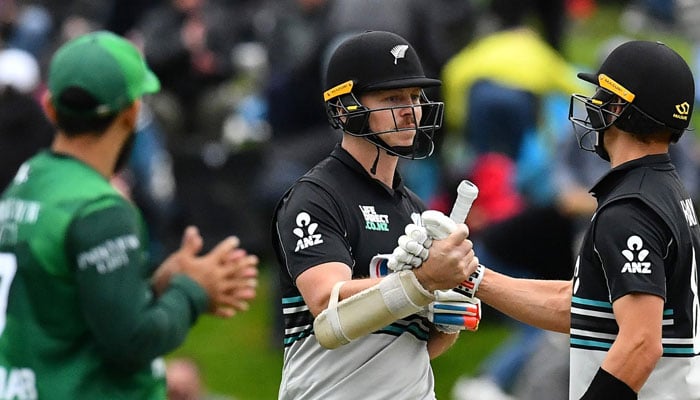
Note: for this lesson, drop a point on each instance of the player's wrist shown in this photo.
(606, 385)
(414, 289)
(471, 285)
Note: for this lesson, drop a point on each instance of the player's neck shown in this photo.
(96, 151)
(623, 147)
(366, 154)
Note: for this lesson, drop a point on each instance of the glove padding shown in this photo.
(438, 225)
(452, 312)
(412, 249)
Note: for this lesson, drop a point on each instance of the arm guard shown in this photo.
(398, 295)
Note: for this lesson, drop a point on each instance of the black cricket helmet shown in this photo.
(378, 60)
(649, 82)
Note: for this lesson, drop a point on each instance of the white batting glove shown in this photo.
(452, 312)
(412, 249)
(437, 224)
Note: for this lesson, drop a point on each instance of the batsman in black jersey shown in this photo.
(349, 208)
(632, 308)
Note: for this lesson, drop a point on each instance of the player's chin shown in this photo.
(403, 138)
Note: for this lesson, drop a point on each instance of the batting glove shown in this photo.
(437, 224)
(452, 312)
(412, 249)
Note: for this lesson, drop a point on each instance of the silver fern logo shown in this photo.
(399, 51)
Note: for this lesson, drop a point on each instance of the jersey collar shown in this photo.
(655, 161)
(347, 159)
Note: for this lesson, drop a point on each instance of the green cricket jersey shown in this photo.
(78, 318)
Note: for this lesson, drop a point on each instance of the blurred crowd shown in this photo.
(241, 116)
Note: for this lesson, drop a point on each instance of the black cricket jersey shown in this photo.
(643, 238)
(337, 212)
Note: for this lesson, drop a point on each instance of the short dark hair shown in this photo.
(75, 122)
(638, 123)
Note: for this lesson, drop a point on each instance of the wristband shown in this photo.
(471, 285)
(607, 386)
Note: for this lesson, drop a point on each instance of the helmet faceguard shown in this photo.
(347, 113)
(593, 115)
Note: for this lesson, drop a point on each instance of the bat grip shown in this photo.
(466, 194)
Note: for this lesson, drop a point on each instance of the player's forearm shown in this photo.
(316, 284)
(638, 347)
(439, 342)
(139, 330)
(542, 303)
(632, 360)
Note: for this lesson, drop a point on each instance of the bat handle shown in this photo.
(466, 194)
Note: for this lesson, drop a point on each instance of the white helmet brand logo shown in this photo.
(306, 232)
(399, 51)
(635, 256)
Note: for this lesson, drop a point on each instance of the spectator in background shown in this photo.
(507, 71)
(188, 43)
(438, 28)
(24, 128)
(192, 47)
(293, 31)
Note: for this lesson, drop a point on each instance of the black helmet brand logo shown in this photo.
(682, 111)
(399, 51)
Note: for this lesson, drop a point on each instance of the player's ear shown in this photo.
(48, 107)
(129, 116)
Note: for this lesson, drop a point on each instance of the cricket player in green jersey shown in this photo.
(83, 315)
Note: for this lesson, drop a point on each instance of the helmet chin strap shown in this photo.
(600, 147)
(373, 170)
(380, 145)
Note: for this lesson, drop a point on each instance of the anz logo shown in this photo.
(635, 256)
(306, 232)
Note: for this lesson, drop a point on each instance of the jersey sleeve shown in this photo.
(310, 230)
(632, 242)
(131, 327)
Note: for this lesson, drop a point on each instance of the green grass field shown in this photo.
(239, 358)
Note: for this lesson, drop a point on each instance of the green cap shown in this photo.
(105, 65)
